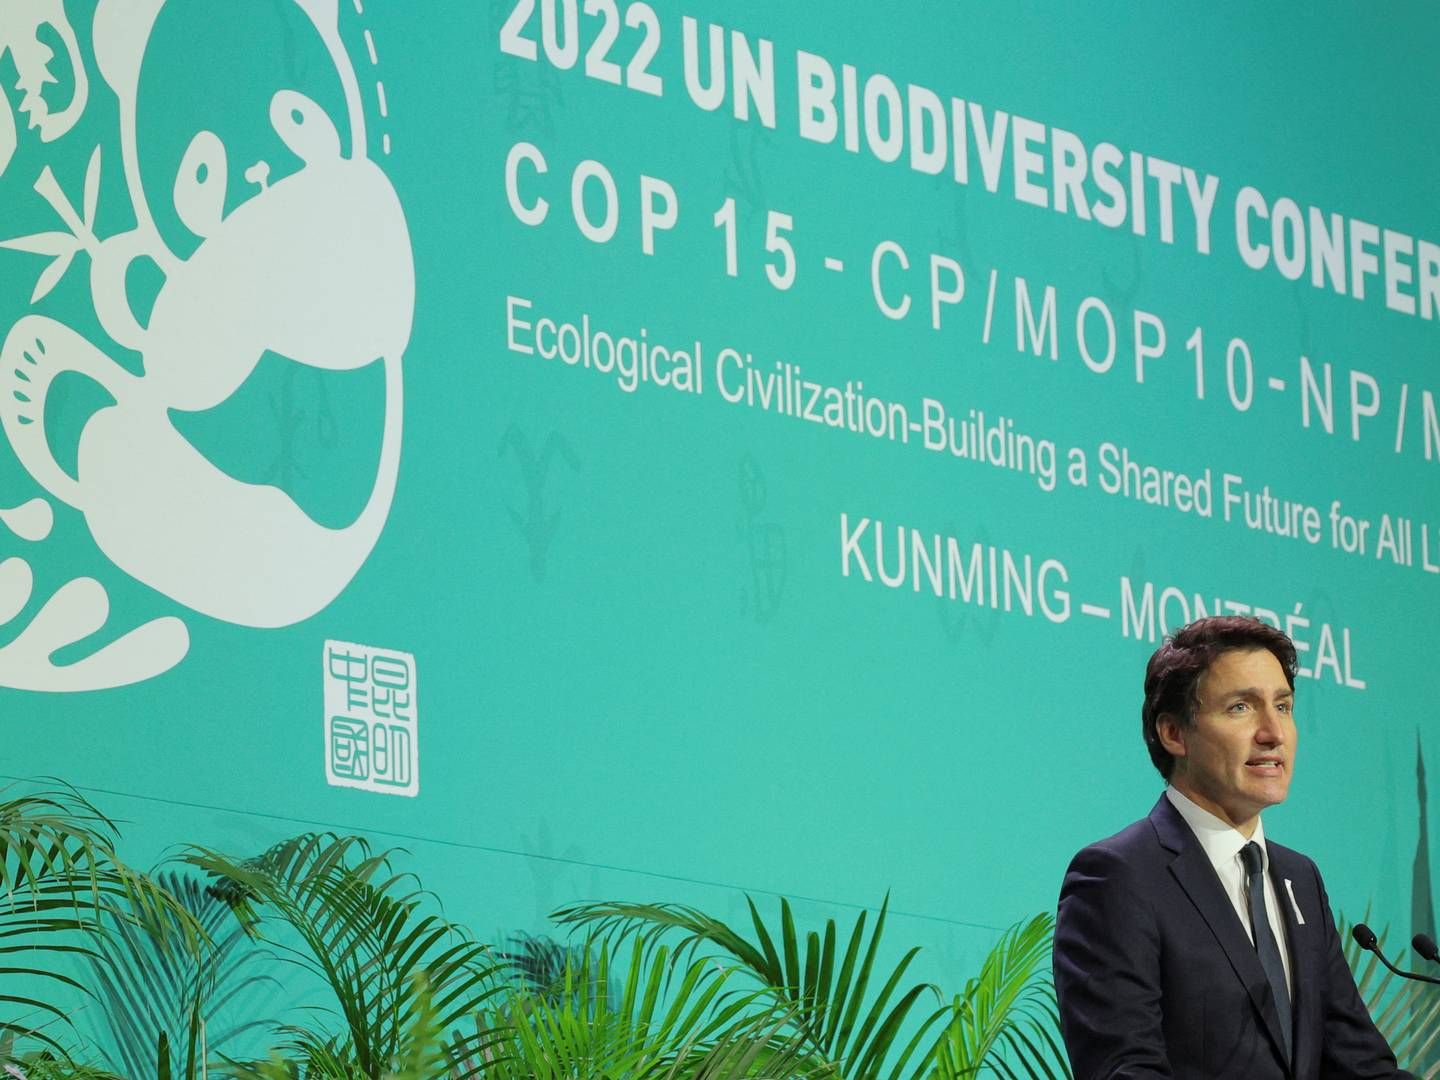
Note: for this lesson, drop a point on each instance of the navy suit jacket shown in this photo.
(1156, 975)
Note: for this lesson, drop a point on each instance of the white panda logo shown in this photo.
(315, 266)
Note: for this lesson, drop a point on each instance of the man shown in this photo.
(1187, 945)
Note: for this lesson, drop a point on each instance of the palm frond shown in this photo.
(46, 1066)
(539, 965)
(660, 1018)
(152, 993)
(363, 930)
(1407, 1013)
(1007, 1018)
(846, 1023)
(61, 886)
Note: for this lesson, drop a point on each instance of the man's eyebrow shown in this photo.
(1257, 692)
(1244, 691)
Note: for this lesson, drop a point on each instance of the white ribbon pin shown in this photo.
(1289, 888)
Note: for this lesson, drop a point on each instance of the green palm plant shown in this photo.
(421, 1052)
(653, 992)
(847, 1023)
(540, 965)
(362, 930)
(44, 1065)
(1007, 1019)
(1407, 1013)
(157, 1001)
(61, 885)
(656, 1016)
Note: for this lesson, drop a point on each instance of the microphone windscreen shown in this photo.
(1363, 935)
(1424, 944)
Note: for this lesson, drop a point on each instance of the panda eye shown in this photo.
(304, 126)
(200, 184)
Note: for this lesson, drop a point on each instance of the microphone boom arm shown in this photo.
(1365, 938)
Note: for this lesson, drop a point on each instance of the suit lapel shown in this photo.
(1191, 868)
(1304, 963)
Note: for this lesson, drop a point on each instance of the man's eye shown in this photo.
(1240, 706)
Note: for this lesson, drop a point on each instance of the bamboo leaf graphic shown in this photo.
(92, 188)
(45, 243)
(51, 277)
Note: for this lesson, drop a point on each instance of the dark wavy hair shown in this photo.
(1172, 677)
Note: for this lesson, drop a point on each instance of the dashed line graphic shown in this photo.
(380, 98)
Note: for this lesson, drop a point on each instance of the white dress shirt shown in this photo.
(1222, 843)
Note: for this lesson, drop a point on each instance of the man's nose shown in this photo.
(1269, 731)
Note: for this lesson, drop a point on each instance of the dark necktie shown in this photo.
(1265, 944)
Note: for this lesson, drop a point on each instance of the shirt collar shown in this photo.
(1221, 840)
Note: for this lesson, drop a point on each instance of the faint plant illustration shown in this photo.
(952, 226)
(1120, 296)
(531, 92)
(296, 60)
(1301, 291)
(549, 865)
(744, 178)
(536, 524)
(290, 426)
(767, 561)
(958, 619)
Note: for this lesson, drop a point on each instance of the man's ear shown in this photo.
(1171, 733)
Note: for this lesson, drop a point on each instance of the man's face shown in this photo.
(1237, 758)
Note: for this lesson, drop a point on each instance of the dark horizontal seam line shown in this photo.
(518, 854)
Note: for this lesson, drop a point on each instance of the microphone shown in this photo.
(1365, 938)
(1424, 944)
